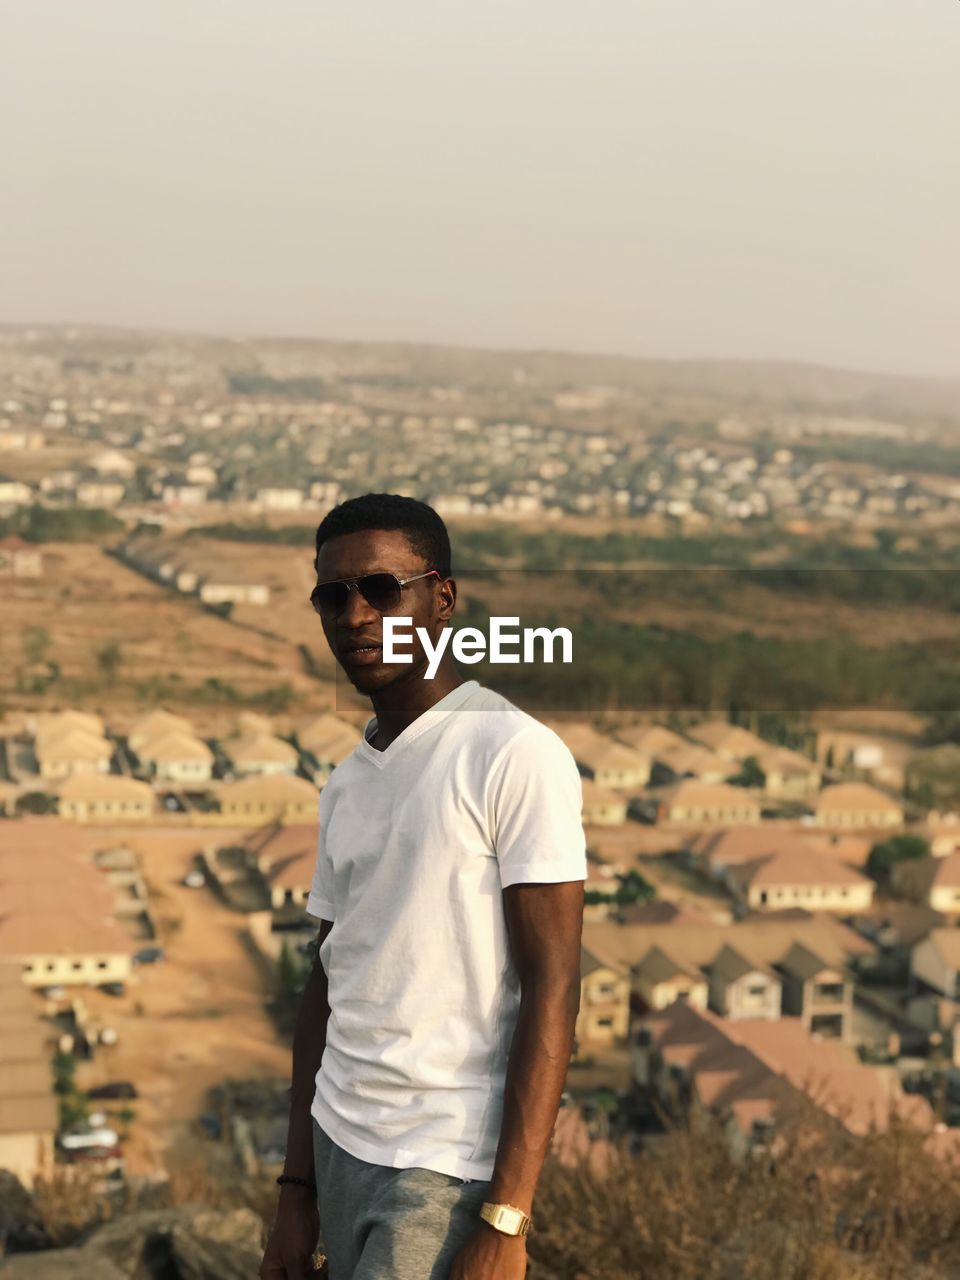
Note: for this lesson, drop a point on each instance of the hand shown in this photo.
(293, 1238)
(490, 1255)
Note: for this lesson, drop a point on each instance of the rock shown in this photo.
(58, 1264)
(21, 1228)
(186, 1243)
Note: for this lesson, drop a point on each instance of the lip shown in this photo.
(358, 655)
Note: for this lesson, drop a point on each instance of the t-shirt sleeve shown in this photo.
(320, 897)
(536, 800)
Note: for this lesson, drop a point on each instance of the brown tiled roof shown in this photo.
(60, 931)
(732, 739)
(795, 867)
(175, 745)
(37, 1114)
(855, 797)
(709, 795)
(763, 941)
(282, 788)
(651, 739)
(107, 786)
(259, 747)
(607, 754)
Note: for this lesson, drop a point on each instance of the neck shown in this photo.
(401, 703)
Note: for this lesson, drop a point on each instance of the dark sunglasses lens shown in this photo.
(330, 597)
(381, 591)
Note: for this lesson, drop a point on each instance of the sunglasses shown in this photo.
(382, 591)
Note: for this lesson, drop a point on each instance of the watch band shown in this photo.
(506, 1218)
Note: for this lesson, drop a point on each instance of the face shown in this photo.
(355, 637)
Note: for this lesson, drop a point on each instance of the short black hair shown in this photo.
(425, 530)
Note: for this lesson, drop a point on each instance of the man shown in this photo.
(435, 1029)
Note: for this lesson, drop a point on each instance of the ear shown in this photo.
(446, 599)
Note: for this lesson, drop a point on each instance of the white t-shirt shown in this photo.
(416, 844)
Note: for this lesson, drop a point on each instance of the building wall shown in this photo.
(45, 970)
(944, 899)
(926, 964)
(816, 897)
(106, 810)
(663, 994)
(27, 1155)
(859, 818)
(183, 770)
(734, 999)
(54, 768)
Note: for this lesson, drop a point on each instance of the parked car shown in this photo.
(89, 1138)
(53, 993)
(114, 1089)
(112, 988)
(148, 955)
(194, 880)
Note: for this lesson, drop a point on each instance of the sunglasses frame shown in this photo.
(353, 584)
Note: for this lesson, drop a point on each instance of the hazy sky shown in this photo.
(660, 177)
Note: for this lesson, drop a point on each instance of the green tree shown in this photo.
(109, 659)
(36, 644)
(887, 854)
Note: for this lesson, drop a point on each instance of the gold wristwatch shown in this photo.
(506, 1218)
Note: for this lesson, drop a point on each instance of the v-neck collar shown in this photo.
(455, 698)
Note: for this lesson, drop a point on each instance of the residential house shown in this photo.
(691, 760)
(934, 882)
(604, 1015)
(178, 758)
(742, 988)
(100, 493)
(661, 979)
(28, 1111)
(857, 804)
(612, 765)
(279, 499)
(70, 752)
(602, 808)
(261, 754)
(681, 956)
(651, 740)
(154, 725)
(697, 804)
(105, 799)
(14, 493)
(942, 833)
(788, 775)
(223, 587)
(730, 740)
(800, 878)
(110, 462)
(65, 944)
(18, 559)
(325, 728)
(716, 851)
(819, 993)
(753, 1073)
(49, 723)
(271, 798)
(935, 981)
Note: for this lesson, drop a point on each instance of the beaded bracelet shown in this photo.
(300, 1182)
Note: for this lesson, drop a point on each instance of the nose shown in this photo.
(358, 613)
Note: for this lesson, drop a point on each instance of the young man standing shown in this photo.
(435, 1029)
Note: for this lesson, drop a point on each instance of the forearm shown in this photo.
(309, 1042)
(536, 1071)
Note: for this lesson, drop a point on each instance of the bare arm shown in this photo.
(544, 923)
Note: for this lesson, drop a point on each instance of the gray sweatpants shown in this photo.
(380, 1223)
